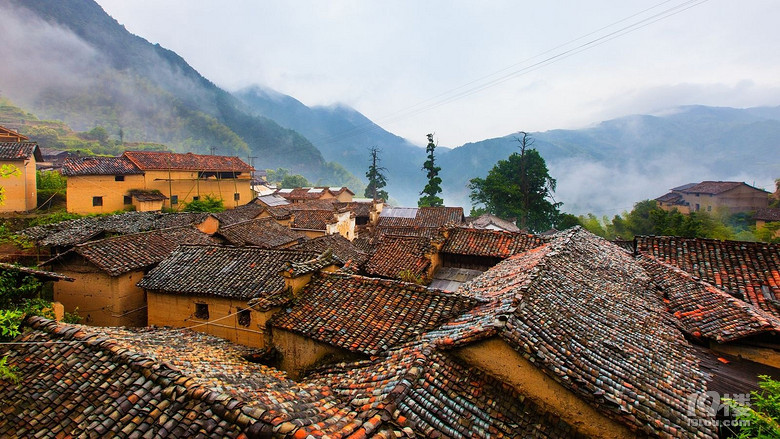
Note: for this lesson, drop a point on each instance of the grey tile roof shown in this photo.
(212, 270)
(261, 232)
(99, 166)
(19, 151)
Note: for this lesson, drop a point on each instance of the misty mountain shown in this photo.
(345, 135)
(80, 66)
(605, 168)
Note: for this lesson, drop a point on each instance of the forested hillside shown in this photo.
(83, 68)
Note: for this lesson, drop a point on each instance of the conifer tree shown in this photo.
(429, 193)
(376, 178)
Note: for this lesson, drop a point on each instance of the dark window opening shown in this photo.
(97, 201)
(202, 311)
(236, 196)
(174, 199)
(119, 178)
(244, 317)
(128, 199)
(195, 198)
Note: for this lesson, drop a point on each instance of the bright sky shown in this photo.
(469, 70)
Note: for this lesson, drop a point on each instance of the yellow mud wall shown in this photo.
(498, 359)
(185, 185)
(20, 189)
(300, 353)
(82, 189)
(178, 310)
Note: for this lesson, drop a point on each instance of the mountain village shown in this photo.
(309, 312)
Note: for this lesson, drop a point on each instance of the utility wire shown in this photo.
(447, 96)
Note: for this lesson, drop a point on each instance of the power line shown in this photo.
(447, 96)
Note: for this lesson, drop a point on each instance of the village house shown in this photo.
(53, 239)
(418, 221)
(743, 277)
(340, 247)
(208, 287)
(304, 194)
(104, 184)
(710, 196)
(259, 232)
(768, 215)
(106, 272)
(17, 169)
(338, 317)
(407, 258)
(571, 338)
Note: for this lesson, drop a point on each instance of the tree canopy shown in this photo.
(429, 193)
(376, 178)
(519, 187)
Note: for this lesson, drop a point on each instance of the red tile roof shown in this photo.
(122, 254)
(714, 187)
(428, 217)
(310, 193)
(163, 161)
(212, 270)
(435, 395)
(262, 232)
(342, 248)
(366, 315)
(747, 270)
(396, 254)
(586, 314)
(768, 214)
(239, 214)
(99, 166)
(492, 243)
(313, 219)
(704, 311)
(19, 151)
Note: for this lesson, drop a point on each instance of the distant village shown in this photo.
(309, 312)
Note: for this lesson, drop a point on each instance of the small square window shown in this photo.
(128, 199)
(97, 201)
(709, 208)
(119, 178)
(236, 196)
(202, 311)
(195, 198)
(244, 317)
(174, 199)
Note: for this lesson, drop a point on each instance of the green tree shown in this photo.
(293, 181)
(761, 417)
(18, 297)
(519, 187)
(205, 204)
(429, 193)
(376, 178)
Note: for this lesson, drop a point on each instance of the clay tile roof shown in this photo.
(358, 208)
(749, 271)
(162, 161)
(368, 315)
(239, 214)
(125, 253)
(434, 394)
(703, 310)
(40, 274)
(586, 313)
(343, 250)
(145, 382)
(235, 272)
(301, 193)
(713, 187)
(767, 214)
(72, 232)
(19, 151)
(147, 195)
(395, 254)
(99, 166)
(313, 219)
(493, 243)
(299, 268)
(418, 221)
(260, 232)
(671, 197)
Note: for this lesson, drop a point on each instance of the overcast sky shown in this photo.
(468, 70)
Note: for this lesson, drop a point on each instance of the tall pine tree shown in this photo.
(376, 178)
(429, 193)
